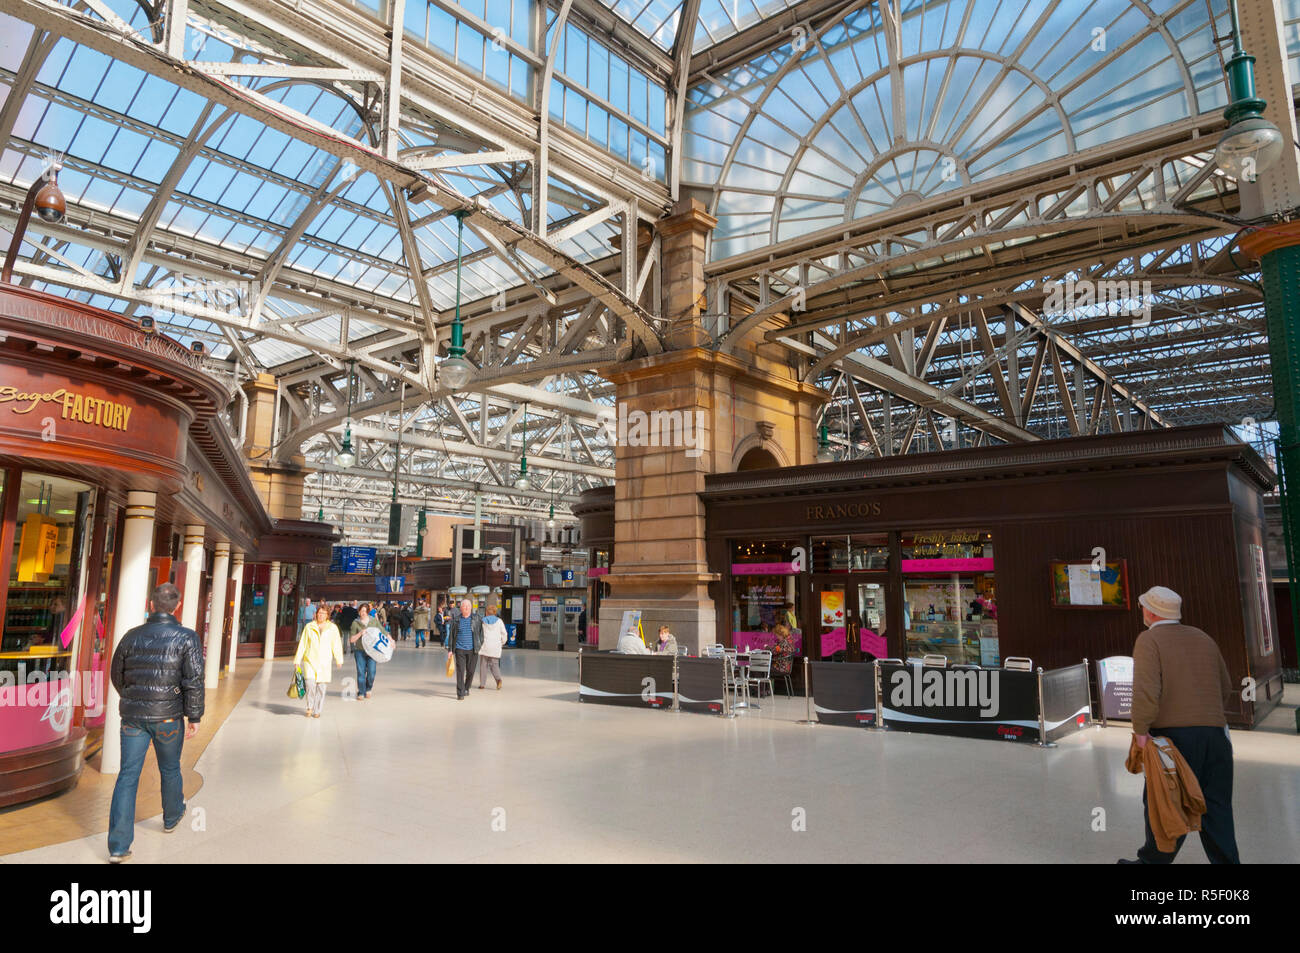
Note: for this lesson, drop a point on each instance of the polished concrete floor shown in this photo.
(528, 774)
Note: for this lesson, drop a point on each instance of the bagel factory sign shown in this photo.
(45, 412)
(70, 405)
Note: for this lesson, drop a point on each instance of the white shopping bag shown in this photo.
(377, 644)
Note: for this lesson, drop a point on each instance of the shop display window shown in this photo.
(949, 599)
(764, 593)
(47, 577)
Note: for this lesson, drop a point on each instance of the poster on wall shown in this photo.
(832, 604)
(1077, 584)
(1261, 597)
(534, 608)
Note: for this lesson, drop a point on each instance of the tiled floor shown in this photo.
(528, 773)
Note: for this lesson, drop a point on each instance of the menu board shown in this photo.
(1078, 584)
(1115, 680)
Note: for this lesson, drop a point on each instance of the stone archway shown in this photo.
(758, 451)
(757, 458)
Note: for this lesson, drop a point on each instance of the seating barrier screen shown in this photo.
(641, 681)
(968, 702)
(844, 693)
(701, 685)
(1067, 706)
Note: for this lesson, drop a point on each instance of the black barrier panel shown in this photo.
(844, 693)
(1065, 700)
(972, 703)
(642, 681)
(701, 685)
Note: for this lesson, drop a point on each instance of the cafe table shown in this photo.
(742, 662)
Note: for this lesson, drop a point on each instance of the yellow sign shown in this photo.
(87, 410)
(36, 550)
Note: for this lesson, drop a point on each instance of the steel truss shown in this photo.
(927, 325)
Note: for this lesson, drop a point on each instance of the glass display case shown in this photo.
(48, 573)
(949, 598)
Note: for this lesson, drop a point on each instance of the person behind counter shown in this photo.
(667, 641)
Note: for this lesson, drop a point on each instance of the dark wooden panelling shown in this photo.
(32, 773)
(1181, 506)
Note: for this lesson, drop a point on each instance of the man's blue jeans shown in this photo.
(420, 637)
(167, 738)
(366, 668)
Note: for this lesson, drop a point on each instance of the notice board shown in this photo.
(1080, 584)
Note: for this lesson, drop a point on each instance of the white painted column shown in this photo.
(217, 617)
(237, 574)
(272, 610)
(193, 554)
(131, 606)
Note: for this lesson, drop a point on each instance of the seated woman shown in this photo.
(783, 652)
(667, 641)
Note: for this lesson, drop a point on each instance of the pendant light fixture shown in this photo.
(825, 453)
(1251, 143)
(522, 482)
(455, 370)
(346, 456)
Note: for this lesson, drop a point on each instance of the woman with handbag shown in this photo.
(494, 637)
(318, 646)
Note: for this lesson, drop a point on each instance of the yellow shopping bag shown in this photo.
(451, 665)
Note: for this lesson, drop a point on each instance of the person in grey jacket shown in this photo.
(465, 638)
(157, 670)
(421, 622)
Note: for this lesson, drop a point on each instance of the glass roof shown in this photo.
(135, 147)
(659, 20)
(821, 131)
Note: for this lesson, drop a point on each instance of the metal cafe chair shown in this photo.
(681, 650)
(935, 661)
(1018, 663)
(760, 671)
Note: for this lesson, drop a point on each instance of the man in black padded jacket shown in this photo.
(158, 672)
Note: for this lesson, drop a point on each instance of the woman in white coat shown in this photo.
(318, 646)
(494, 637)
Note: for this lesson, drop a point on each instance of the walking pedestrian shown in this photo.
(318, 646)
(157, 670)
(366, 666)
(420, 619)
(442, 619)
(404, 619)
(1180, 688)
(347, 614)
(494, 638)
(465, 637)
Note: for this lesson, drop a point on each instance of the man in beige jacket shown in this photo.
(1180, 688)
